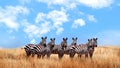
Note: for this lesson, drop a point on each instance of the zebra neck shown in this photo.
(42, 44)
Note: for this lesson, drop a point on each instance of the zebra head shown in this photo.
(94, 42)
(90, 44)
(52, 42)
(43, 42)
(64, 43)
(74, 41)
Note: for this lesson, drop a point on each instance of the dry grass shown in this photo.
(104, 57)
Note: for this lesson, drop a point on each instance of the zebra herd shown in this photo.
(43, 49)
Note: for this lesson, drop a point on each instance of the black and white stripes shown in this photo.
(43, 49)
(32, 49)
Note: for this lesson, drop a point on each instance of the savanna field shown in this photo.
(104, 57)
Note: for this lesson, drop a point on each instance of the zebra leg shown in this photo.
(60, 54)
(79, 55)
(48, 55)
(28, 53)
(72, 54)
(38, 55)
(43, 55)
(86, 55)
(91, 54)
(33, 54)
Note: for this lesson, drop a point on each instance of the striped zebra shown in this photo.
(48, 49)
(59, 49)
(83, 48)
(30, 49)
(39, 47)
(91, 48)
(69, 50)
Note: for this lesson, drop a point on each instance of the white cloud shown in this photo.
(9, 22)
(96, 3)
(36, 30)
(54, 20)
(72, 4)
(40, 17)
(33, 41)
(59, 30)
(31, 30)
(66, 3)
(9, 15)
(50, 2)
(45, 27)
(109, 37)
(78, 22)
(91, 18)
(57, 16)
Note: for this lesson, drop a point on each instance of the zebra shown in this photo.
(69, 50)
(91, 48)
(48, 49)
(74, 43)
(39, 47)
(30, 48)
(83, 48)
(64, 43)
(59, 49)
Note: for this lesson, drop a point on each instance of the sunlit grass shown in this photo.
(104, 57)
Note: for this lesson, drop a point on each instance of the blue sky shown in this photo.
(26, 21)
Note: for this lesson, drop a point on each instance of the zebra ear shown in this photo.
(41, 37)
(88, 39)
(54, 38)
(72, 38)
(46, 37)
(76, 38)
(51, 39)
(96, 38)
(63, 39)
(66, 38)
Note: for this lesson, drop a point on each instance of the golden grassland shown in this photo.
(104, 57)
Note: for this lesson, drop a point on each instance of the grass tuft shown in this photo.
(104, 57)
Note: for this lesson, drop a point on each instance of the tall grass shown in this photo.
(104, 57)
